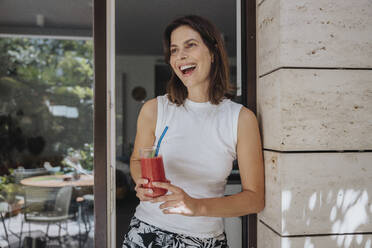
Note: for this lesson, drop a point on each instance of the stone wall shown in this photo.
(315, 111)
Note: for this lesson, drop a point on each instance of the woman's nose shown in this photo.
(182, 54)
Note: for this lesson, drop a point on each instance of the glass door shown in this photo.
(46, 124)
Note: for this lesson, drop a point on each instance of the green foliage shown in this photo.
(37, 74)
(87, 157)
(8, 189)
(84, 155)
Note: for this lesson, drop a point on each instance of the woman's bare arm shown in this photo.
(145, 135)
(250, 200)
(251, 168)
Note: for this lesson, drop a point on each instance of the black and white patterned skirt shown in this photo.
(143, 235)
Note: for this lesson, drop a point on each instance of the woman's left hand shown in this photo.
(178, 202)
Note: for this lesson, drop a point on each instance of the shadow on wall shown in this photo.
(324, 200)
(343, 211)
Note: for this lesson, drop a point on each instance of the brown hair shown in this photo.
(219, 86)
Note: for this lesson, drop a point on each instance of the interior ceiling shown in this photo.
(139, 23)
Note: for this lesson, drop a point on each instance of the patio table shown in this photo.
(58, 181)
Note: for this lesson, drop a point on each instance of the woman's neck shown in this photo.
(198, 93)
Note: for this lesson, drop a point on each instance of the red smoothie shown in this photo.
(153, 170)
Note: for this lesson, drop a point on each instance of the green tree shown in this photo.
(37, 76)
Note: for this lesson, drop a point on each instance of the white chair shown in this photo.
(4, 208)
(21, 173)
(48, 206)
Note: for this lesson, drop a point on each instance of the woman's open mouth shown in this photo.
(187, 69)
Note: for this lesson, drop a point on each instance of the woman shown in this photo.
(206, 133)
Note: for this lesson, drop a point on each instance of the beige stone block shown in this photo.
(302, 110)
(305, 33)
(268, 35)
(259, 2)
(318, 193)
(266, 238)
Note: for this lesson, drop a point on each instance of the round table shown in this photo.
(58, 181)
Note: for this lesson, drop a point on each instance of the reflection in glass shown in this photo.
(46, 142)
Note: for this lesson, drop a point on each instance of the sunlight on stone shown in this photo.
(283, 225)
(348, 241)
(329, 197)
(349, 199)
(303, 213)
(368, 244)
(333, 215)
(355, 214)
(340, 240)
(340, 197)
(286, 243)
(359, 239)
(286, 200)
(312, 201)
(336, 226)
(308, 243)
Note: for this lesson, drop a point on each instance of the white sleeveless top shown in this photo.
(198, 151)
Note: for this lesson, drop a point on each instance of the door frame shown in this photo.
(104, 113)
(249, 96)
(104, 127)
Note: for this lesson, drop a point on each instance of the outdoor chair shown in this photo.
(22, 173)
(4, 208)
(47, 206)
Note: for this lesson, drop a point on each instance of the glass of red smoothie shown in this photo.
(152, 169)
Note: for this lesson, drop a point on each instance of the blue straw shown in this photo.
(159, 141)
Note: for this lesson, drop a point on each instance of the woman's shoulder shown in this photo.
(247, 117)
(149, 109)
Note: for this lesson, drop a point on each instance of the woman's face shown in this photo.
(190, 58)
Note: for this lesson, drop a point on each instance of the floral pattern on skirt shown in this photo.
(143, 235)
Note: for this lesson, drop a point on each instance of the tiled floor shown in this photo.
(70, 238)
(125, 210)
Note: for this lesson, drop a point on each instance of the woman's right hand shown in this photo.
(143, 193)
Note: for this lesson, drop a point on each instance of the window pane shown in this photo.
(46, 141)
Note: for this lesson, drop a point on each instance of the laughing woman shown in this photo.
(207, 132)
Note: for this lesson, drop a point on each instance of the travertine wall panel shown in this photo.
(266, 238)
(318, 193)
(259, 2)
(328, 33)
(305, 109)
(268, 29)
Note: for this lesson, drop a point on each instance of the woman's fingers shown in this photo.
(141, 181)
(165, 198)
(169, 204)
(167, 186)
(143, 194)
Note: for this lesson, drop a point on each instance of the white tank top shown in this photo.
(198, 151)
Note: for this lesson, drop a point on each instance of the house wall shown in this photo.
(315, 110)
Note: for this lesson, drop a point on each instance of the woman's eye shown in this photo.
(173, 51)
(191, 45)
